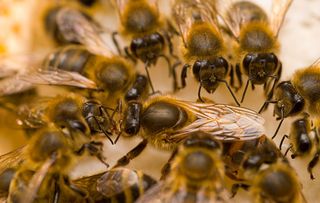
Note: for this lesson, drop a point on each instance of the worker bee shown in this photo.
(44, 173)
(165, 122)
(257, 44)
(203, 44)
(76, 118)
(297, 96)
(196, 174)
(278, 182)
(141, 21)
(115, 185)
(302, 143)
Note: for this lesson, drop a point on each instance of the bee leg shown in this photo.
(233, 96)
(56, 195)
(289, 148)
(133, 153)
(166, 168)
(174, 73)
(76, 189)
(115, 42)
(312, 164)
(170, 45)
(245, 90)
(281, 120)
(129, 55)
(199, 93)
(281, 142)
(315, 158)
(184, 75)
(235, 188)
(96, 149)
(239, 76)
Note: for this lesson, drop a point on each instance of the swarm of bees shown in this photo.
(102, 96)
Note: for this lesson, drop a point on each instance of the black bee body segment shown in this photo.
(161, 116)
(69, 58)
(148, 47)
(138, 88)
(132, 118)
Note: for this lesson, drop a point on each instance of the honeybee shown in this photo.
(44, 173)
(302, 143)
(276, 183)
(299, 96)
(166, 121)
(256, 37)
(203, 44)
(116, 185)
(196, 174)
(20, 75)
(141, 21)
(76, 118)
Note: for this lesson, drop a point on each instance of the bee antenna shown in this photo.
(282, 119)
(234, 97)
(285, 154)
(199, 93)
(245, 90)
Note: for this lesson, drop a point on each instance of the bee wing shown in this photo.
(186, 12)
(155, 194)
(223, 122)
(234, 14)
(18, 63)
(76, 27)
(23, 82)
(12, 159)
(279, 10)
(58, 77)
(36, 181)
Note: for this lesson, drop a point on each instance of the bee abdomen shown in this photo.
(162, 115)
(72, 58)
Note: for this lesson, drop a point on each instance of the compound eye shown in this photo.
(272, 58)
(221, 62)
(247, 61)
(197, 66)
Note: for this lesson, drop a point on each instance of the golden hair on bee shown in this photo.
(277, 183)
(138, 17)
(203, 42)
(257, 37)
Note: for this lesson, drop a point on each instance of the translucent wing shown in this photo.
(223, 122)
(186, 12)
(23, 82)
(12, 159)
(36, 181)
(279, 10)
(77, 27)
(18, 63)
(237, 13)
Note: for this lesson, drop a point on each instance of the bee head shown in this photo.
(148, 48)
(210, 72)
(289, 101)
(260, 66)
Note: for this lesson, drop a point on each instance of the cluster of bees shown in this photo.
(216, 148)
